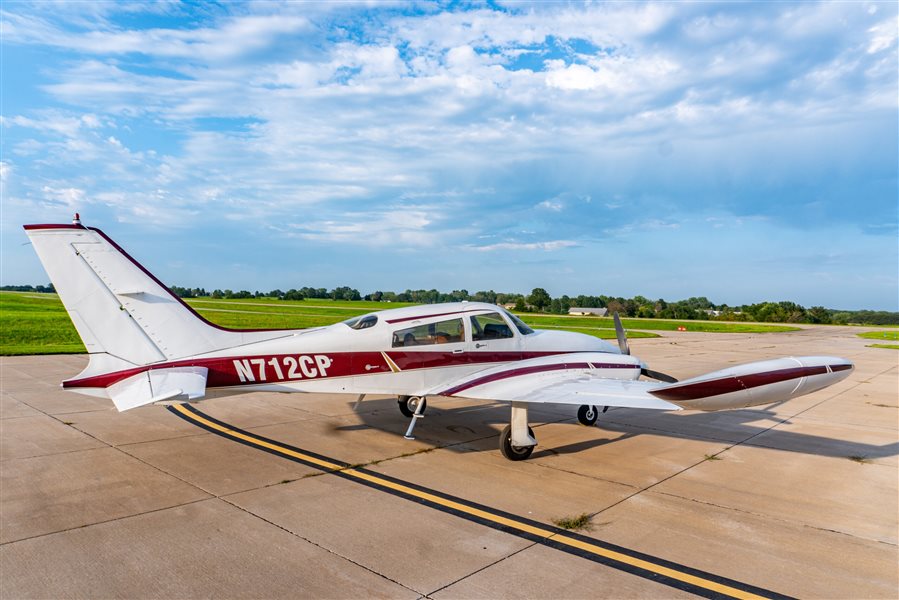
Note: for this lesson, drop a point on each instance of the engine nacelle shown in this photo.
(762, 382)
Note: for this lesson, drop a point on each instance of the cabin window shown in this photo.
(491, 326)
(442, 332)
(361, 322)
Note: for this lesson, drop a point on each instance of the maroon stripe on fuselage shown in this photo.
(51, 226)
(528, 371)
(735, 383)
(223, 371)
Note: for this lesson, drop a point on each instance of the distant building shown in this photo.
(599, 312)
(718, 313)
(509, 305)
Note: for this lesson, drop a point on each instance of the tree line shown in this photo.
(540, 301)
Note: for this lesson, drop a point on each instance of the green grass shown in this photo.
(577, 523)
(541, 320)
(36, 324)
(606, 334)
(880, 335)
(32, 323)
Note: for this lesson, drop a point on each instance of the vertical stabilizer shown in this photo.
(117, 306)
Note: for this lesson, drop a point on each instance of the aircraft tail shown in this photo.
(124, 315)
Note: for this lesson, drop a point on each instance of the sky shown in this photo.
(740, 151)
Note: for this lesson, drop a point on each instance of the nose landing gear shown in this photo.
(409, 405)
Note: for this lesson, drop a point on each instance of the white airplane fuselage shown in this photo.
(147, 346)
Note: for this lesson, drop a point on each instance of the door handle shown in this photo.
(459, 351)
(480, 345)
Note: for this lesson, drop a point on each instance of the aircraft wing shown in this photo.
(583, 378)
(600, 379)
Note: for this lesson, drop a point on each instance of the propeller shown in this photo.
(619, 333)
(622, 345)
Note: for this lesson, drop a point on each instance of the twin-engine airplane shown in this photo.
(147, 346)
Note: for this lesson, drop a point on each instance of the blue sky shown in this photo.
(743, 152)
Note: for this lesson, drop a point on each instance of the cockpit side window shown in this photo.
(361, 322)
(519, 324)
(490, 326)
(442, 332)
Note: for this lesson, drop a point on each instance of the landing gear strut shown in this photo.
(414, 408)
(517, 441)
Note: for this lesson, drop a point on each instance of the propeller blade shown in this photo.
(619, 333)
(658, 376)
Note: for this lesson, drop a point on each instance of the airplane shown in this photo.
(146, 346)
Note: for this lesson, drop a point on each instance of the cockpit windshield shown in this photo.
(524, 329)
(361, 322)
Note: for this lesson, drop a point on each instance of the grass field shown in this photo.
(38, 324)
(880, 335)
(886, 336)
(565, 322)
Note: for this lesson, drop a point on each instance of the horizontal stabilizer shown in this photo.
(159, 385)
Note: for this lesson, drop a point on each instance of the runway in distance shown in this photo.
(147, 346)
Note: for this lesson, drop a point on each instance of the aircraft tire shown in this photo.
(587, 415)
(514, 452)
(408, 405)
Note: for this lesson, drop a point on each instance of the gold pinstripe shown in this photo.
(390, 363)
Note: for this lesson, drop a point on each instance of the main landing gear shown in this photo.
(517, 441)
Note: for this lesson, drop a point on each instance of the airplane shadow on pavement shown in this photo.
(476, 427)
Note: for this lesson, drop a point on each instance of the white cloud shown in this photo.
(399, 226)
(883, 36)
(514, 246)
(323, 115)
(233, 38)
(71, 197)
(553, 204)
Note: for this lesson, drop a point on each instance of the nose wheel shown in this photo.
(587, 415)
(409, 405)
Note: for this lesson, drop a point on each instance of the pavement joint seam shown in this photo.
(484, 568)
(771, 517)
(684, 470)
(105, 522)
(586, 475)
(213, 495)
(634, 563)
(317, 545)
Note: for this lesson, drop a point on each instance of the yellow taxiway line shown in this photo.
(662, 571)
